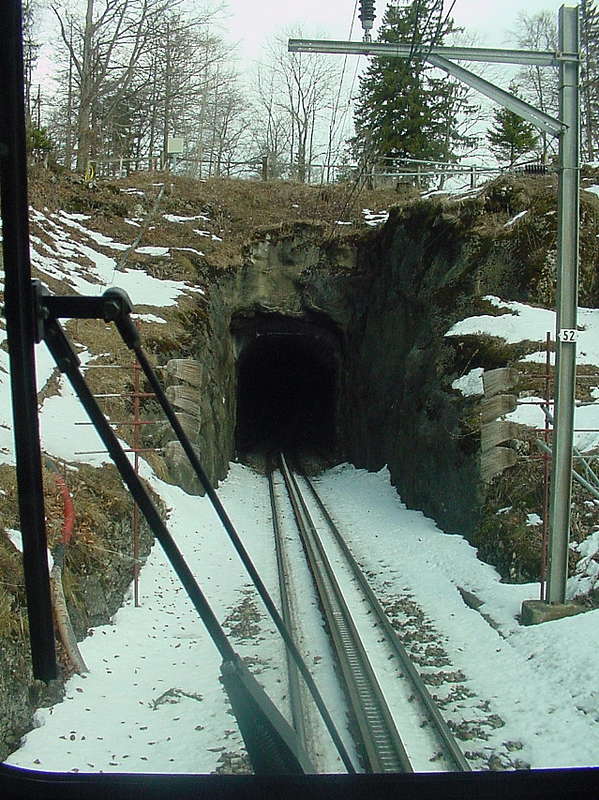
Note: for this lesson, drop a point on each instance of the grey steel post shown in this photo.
(567, 299)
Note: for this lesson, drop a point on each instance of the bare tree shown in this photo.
(104, 46)
(229, 123)
(185, 88)
(31, 47)
(538, 85)
(271, 133)
(589, 101)
(303, 87)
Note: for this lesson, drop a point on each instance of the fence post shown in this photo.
(264, 168)
(473, 177)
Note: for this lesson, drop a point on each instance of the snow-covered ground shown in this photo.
(151, 701)
(519, 322)
(539, 680)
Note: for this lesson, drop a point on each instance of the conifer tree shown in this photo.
(31, 48)
(511, 136)
(405, 110)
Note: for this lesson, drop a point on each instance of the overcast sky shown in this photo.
(252, 24)
(249, 27)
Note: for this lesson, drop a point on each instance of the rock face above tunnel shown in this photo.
(387, 298)
(401, 411)
(381, 302)
(291, 284)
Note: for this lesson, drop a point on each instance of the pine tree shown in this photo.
(511, 136)
(403, 110)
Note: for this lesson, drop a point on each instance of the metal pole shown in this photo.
(567, 298)
(546, 470)
(541, 58)
(136, 446)
(20, 331)
(568, 128)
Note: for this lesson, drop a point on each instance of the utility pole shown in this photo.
(567, 128)
(567, 302)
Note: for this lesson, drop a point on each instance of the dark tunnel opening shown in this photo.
(286, 390)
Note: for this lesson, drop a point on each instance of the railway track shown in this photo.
(397, 725)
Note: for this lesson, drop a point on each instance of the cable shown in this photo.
(417, 38)
(332, 129)
(415, 31)
(440, 27)
(369, 11)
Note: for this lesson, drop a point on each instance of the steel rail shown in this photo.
(382, 743)
(295, 699)
(448, 740)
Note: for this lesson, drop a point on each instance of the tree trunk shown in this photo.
(68, 142)
(153, 113)
(167, 99)
(83, 117)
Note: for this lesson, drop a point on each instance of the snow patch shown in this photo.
(532, 520)
(470, 385)
(374, 218)
(520, 322)
(212, 236)
(510, 222)
(149, 318)
(149, 250)
(189, 250)
(17, 539)
(175, 218)
(99, 238)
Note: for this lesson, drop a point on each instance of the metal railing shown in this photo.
(384, 173)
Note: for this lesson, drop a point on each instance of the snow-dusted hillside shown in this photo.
(151, 701)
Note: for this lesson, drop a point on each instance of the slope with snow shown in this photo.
(151, 701)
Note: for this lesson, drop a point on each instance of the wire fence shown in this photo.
(384, 173)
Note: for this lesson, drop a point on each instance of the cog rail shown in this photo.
(381, 741)
(382, 744)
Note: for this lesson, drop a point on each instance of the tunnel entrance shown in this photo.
(287, 377)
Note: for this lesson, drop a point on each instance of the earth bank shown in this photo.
(371, 303)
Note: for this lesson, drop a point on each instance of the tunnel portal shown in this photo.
(287, 378)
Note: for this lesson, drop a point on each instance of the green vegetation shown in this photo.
(404, 108)
(39, 142)
(511, 137)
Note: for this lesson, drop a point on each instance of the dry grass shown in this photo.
(99, 499)
(234, 208)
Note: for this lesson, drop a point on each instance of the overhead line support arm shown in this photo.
(440, 57)
(540, 58)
